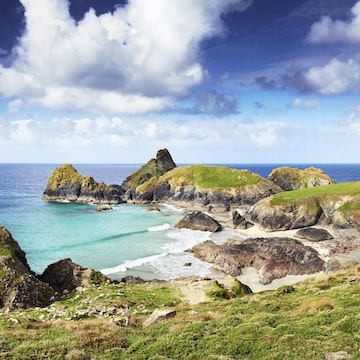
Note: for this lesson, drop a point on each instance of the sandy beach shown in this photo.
(344, 248)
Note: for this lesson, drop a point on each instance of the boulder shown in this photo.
(65, 275)
(19, 287)
(273, 257)
(199, 221)
(293, 178)
(159, 316)
(313, 234)
(67, 184)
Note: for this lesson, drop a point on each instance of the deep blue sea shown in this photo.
(128, 240)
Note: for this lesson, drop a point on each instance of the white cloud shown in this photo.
(336, 77)
(14, 106)
(139, 58)
(332, 31)
(305, 104)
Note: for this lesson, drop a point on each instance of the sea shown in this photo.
(128, 240)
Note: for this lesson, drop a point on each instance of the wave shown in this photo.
(132, 263)
(163, 227)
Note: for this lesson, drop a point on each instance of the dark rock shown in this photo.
(19, 287)
(239, 221)
(199, 221)
(273, 257)
(65, 275)
(132, 280)
(67, 184)
(313, 234)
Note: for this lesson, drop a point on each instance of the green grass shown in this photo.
(352, 188)
(305, 321)
(210, 177)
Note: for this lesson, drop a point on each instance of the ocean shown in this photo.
(129, 240)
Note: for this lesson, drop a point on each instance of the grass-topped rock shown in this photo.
(293, 178)
(337, 204)
(67, 184)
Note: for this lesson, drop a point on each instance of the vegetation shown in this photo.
(285, 197)
(305, 321)
(210, 177)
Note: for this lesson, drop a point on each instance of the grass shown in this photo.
(352, 188)
(210, 177)
(305, 321)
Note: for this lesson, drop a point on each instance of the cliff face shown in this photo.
(67, 184)
(19, 288)
(206, 185)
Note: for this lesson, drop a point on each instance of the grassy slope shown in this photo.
(352, 188)
(210, 177)
(304, 322)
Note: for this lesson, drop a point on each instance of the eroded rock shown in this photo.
(313, 234)
(199, 221)
(159, 316)
(273, 257)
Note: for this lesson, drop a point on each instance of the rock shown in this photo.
(132, 280)
(67, 184)
(65, 275)
(293, 178)
(159, 316)
(337, 355)
(239, 221)
(152, 170)
(103, 208)
(297, 214)
(199, 221)
(19, 287)
(274, 258)
(313, 234)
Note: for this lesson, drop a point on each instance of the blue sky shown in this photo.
(213, 81)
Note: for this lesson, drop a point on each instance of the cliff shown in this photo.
(337, 204)
(19, 287)
(67, 184)
(218, 185)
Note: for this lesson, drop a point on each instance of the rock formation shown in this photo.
(341, 211)
(293, 178)
(199, 221)
(273, 257)
(66, 275)
(67, 184)
(313, 234)
(19, 287)
(133, 185)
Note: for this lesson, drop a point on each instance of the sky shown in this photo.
(213, 81)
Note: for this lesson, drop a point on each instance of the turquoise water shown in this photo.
(127, 240)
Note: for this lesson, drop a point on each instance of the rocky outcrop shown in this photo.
(297, 214)
(293, 178)
(65, 275)
(148, 174)
(273, 257)
(199, 221)
(342, 211)
(19, 287)
(313, 234)
(67, 184)
(240, 221)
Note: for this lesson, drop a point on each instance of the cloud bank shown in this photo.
(139, 58)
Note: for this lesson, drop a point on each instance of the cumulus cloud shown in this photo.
(139, 58)
(332, 31)
(336, 77)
